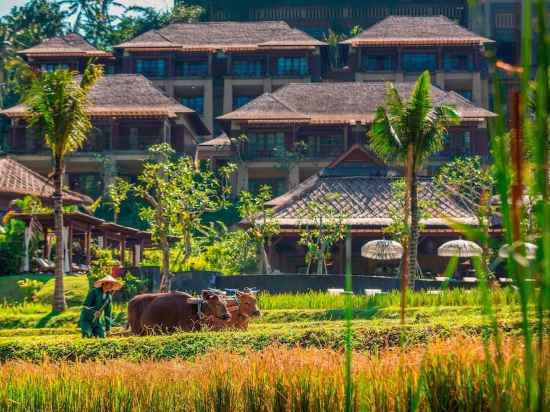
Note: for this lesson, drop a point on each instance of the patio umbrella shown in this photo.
(530, 251)
(459, 248)
(382, 249)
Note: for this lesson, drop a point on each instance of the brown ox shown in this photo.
(242, 308)
(170, 312)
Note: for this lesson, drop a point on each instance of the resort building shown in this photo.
(282, 138)
(71, 51)
(359, 187)
(129, 115)
(216, 67)
(399, 48)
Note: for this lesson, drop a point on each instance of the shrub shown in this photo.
(11, 247)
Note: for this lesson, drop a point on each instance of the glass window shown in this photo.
(239, 101)
(193, 102)
(278, 185)
(192, 68)
(265, 145)
(151, 67)
(458, 62)
(51, 67)
(292, 66)
(248, 68)
(418, 62)
(324, 146)
(379, 62)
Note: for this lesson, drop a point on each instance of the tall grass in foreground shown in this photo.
(450, 376)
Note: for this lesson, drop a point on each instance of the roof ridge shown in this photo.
(163, 36)
(284, 104)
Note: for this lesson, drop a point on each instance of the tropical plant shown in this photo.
(408, 132)
(11, 247)
(118, 193)
(322, 226)
(178, 193)
(261, 224)
(56, 102)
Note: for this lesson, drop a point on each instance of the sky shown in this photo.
(6, 5)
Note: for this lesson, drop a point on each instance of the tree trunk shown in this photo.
(59, 303)
(413, 235)
(406, 236)
(166, 279)
(321, 261)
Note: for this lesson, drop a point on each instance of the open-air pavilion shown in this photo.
(79, 231)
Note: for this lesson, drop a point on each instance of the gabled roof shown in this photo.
(227, 36)
(409, 30)
(364, 195)
(127, 95)
(72, 44)
(17, 181)
(339, 103)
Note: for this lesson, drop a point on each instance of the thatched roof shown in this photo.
(128, 95)
(339, 103)
(408, 30)
(227, 36)
(17, 181)
(364, 196)
(69, 45)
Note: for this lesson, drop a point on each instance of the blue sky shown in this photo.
(6, 5)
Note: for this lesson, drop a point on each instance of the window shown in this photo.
(417, 62)
(239, 101)
(458, 62)
(51, 67)
(192, 69)
(248, 68)
(193, 102)
(379, 62)
(292, 66)
(151, 68)
(324, 146)
(466, 94)
(505, 21)
(265, 145)
(278, 185)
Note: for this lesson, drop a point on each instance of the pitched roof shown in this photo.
(363, 195)
(211, 36)
(127, 95)
(428, 30)
(17, 180)
(338, 103)
(72, 44)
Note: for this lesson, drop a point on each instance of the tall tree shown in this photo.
(56, 101)
(409, 132)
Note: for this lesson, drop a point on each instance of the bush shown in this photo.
(11, 247)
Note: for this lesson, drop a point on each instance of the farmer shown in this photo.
(98, 303)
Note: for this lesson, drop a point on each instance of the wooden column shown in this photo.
(70, 247)
(87, 245)
(122, 246)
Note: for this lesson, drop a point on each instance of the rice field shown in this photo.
(442, 376)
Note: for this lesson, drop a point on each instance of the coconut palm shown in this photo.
(408, 133)
(56, 103)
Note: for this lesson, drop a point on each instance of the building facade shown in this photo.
(215, 67)
(282, 138)
(129, 115)
(399, 48)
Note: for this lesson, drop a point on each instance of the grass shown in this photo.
(11, 292)
(445, 375)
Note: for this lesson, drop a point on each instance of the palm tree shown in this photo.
(408, 133)
(56, 103)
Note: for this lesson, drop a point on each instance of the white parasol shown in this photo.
(459, 248)
(530, 251)
(382, 249)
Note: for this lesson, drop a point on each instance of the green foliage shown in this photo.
(30, 286)
(76, 288)
(261, 226)
(322, 226)
(11, 247)
(118, 193)
(233, 253)
(101, 264)
(12, 293)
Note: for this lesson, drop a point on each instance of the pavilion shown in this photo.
(365, 200)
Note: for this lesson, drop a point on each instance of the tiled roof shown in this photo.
(17, 180)
(218, 142)
(366, 201)
(339, 103)
(209, 36)
(71, 44)
(427, 30)
(127, 95)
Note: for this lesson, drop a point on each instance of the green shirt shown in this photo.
(96, 300)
